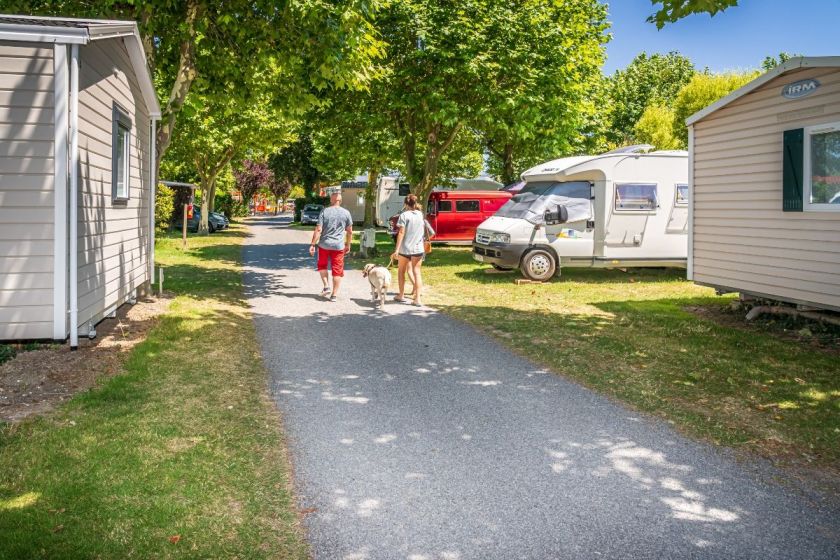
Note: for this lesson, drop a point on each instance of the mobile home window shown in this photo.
(682, 195)
(405, 189)
(466, 205)
(120, 144)
(444, 206)
(636, 196)
(822, 168)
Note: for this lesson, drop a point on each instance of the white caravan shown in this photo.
(624, 208)
(391, 193)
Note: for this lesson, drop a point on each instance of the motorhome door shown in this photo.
(678, 221)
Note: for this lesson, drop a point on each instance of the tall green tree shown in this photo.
(449, 66)
(648, 80)
(250, 121)
(539, 108)
(354, 137)
(217, 44)
(703, 90)
(294, 163)
(674, 10)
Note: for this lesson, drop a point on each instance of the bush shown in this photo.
(229, 207)
(164, 207)
(301, 202)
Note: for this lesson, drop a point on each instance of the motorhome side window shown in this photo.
(120, 142)
(822, 167)
(405, 189)
(466, 205)
(444, 206)
(635, 196)
(682, 195)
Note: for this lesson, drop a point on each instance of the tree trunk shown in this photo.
(508, 172)
(434, 151)
(184, 78)
(204, 223)
(370, 198)
(208, 175)
(211, 202)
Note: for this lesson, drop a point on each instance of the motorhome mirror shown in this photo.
(559, 216)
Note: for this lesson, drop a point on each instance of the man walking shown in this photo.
(332, 235)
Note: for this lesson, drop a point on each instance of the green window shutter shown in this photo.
(792, 170)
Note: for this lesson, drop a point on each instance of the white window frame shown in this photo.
(809, 131)
(636, 210)
(677, 201)
(121, 121)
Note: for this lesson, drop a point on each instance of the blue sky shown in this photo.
(738, 38)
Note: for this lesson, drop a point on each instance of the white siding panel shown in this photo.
(26, 190)
(23, 282)
(742, 238)
(25, 331)
(26, 248)
(113, 237)
(10, 298)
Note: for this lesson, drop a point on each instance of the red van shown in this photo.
(455, 215)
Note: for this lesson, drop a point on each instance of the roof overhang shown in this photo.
(70, 31)
(792, 64)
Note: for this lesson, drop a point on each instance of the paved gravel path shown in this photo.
(413, 436)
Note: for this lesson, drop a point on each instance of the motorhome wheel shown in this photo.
(539, 265)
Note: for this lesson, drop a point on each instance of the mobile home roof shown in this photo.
(69, 31)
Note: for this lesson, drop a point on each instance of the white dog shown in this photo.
(380, 280)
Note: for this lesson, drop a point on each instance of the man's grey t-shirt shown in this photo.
(334, 220)
(413, 222)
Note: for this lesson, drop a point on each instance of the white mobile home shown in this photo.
(77, 116)
(765, 187)
(624, 208)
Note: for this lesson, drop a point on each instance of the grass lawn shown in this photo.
(180, 456)
(647, 338)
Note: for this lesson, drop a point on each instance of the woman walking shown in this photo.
(411, 230)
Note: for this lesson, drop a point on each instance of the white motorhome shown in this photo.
(392, 190)
(624, 208)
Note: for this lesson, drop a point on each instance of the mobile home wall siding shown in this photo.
(741, 237)
(113, 237)
(26, 190)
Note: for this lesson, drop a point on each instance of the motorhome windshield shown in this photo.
(535, 199)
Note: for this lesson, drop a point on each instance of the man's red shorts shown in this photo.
(335, 256)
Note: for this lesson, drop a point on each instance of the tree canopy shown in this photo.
(648, 80)
(674, 10)
(457, 72)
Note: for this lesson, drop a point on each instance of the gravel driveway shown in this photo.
(413, 436)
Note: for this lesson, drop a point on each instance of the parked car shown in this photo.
(455, 215)
(310, 214)
(221, 218)
(215, 222)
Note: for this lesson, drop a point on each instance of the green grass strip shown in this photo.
(183, 446)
